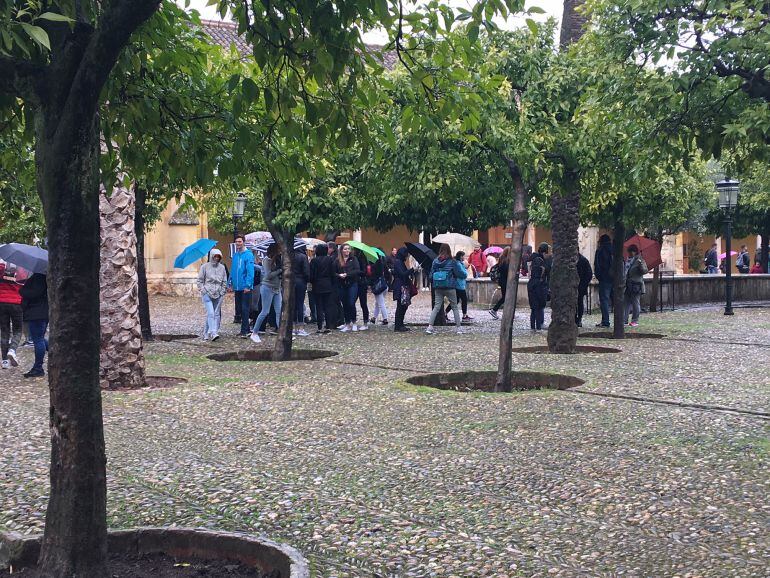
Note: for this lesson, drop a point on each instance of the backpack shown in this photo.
(442, 277)
(494, 274)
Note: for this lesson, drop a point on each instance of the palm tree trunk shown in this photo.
(565, 220)
(520, 221)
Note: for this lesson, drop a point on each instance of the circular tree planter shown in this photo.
(628, 335)
(468, 381)
(270, 558)
(173, 337)
(264, 355)
(578, 349)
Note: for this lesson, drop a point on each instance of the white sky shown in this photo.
(551, 7)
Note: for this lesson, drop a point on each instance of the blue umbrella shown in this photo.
(194, 252)
(31, 258)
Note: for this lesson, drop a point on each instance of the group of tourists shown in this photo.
(23, 310)
(715, 265)
(634, 270)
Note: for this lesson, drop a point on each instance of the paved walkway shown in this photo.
(643, 472)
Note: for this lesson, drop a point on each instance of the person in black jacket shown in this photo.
(585, 274)
(603, 272)
(537, 287)
(347, 270)
(402, 281)
(502, 280)
(363, 288)
(379, 270)
(301, 269)
(322, 278)
(34, 307)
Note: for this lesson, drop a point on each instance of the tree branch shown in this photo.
(17, 76)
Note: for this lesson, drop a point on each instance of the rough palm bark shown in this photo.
(618, 274)
(122, 355)
(504, 380)
(140, 194)
(565, 220)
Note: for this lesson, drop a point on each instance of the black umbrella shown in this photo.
(423, 255)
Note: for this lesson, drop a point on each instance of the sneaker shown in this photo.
(384, 322)
(401, 329)
(600, 324)
(467, 318)
(494, 314)
(580, 324)
(255, 338)
(34, 373)
(12, 358)
(6, 364)
(244, 335)
(345, 329)
(28, 343)
(429, 330)
(204, 338)
(355, 327)
(372, 321)
(341, 327)
(363, 328)
(214, 337)
(634, 324)
(302, 333)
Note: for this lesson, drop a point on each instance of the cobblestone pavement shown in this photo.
(657, 466)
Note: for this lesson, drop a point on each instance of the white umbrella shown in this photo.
(456, 241)
(312, 242)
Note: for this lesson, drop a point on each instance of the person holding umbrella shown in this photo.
(212, 284)
(10, 315)
(34, 306)
(270, 290)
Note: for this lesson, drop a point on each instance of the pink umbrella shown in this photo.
(723, 255)
(493, 250)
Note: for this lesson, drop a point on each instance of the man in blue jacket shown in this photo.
(242, 282)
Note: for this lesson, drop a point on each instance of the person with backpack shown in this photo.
(499, 274)
(10, 315)
(269, 290)
(585, 274)
(743, 262)
(603, 272)
(712, 260)
(322, 278)
(462, 294)
(478, 261)
(379, 288)
(348, 272)
(537, 287)
(444, 273)
(636, 269)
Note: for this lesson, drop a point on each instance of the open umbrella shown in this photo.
(312, 241)
(29, 257)
(380, 252)
(494, 250)
(648, 249)
(456, 241)
(263, 246)
(422, 254)
(369, 252)
(732, 253)
(194, 252)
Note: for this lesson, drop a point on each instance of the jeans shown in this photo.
(538, 296)
(10, 327)
(363, 290)
(37, 329)
(213, 307)
(605, 298)
(451, 295)
(380, 307)
(300, 289)
(348, 296)
(633, 307)
(269, 298)
(243, 307)
(713, 270)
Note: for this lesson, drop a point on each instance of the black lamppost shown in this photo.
(728, 198)
(239, 208)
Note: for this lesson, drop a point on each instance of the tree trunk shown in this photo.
(67, 163)
(565, 220)
(618, 277)
(140, 194)
(520, 221)
(764, 249)
(572, 23)
(285, 241)
(658, 237)
(122, 356)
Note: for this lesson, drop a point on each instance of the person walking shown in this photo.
(477, 260)
(269, 290)
(462, 294)
(585, 274)
(444, 273)
(363, 287)
(501, 274)
(537, 287)
(403, 280)
(347, 271)
(34, 310)
(322, 278)
(712, 260)
(603, 271)
(301, 268)
(242, 282)
(379, 288)
(212, 285)
(10, 315)
(636, 268)
(743, 262)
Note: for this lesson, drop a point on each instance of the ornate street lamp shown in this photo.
(239, 208)
(728, 198)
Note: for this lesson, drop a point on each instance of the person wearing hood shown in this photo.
(10, 315)
(34, 307)
(402, 284)
(212, 284)
(444, 273)
(603, 272)
(322, 278)
(537, 287)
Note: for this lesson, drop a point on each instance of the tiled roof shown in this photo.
(226, 33)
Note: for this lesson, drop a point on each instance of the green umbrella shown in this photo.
(379, 252)
(369, 252)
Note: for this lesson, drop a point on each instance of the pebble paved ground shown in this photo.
(369, 476)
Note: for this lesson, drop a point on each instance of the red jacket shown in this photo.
(9, 292)
(479, 261)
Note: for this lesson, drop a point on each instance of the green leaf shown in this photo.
(53, 17)
(37, 34)
(532, 25)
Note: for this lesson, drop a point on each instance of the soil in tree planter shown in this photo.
(152, 382)
(173, 336)
(578, 349)
(469, 381)
(265, 355)
(628, 335)
(163, 566)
